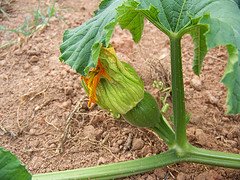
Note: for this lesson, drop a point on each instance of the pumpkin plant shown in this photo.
(115, 86)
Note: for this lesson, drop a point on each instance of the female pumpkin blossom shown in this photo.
(113, 85)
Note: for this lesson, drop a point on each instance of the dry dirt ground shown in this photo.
(38, 93)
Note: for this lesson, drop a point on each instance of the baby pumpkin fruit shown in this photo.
(145, 114)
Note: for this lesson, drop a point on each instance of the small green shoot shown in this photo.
(32, 24)
(165, 93)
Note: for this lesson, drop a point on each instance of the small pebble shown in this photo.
(34, 143)
(3, 63)
(212, 99)
(120, 141)
(68, 90)
(149, 177)
(36, 69)
(32, 131)
(34, 59)
(209, 175)
(196, 83)
(63, 73)
(182, 176)
(66, 104)
(115, 150)
(196, 119)
(85, 106)
(201, 137)
(77, 86)
(137, 144)
(146, 150)
(26, 66)
(160, 173)
(89, 131)
(101, 160)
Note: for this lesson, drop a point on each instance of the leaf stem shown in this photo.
(214, 158)
(115, 170)
(178, 91)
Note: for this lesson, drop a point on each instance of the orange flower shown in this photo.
(92, 80)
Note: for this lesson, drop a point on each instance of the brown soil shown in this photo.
(38, 93)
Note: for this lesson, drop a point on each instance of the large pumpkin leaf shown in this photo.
(81, 46)
(11, 168)
(210, 22)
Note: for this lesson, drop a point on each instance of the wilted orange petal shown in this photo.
(93, 80)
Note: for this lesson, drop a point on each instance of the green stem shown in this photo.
(115, 170)
(165, 131)
(214, 158)
(178, 91)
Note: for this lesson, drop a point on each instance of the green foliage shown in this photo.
(210, 23)
(11, 168)
(32, 24)
(81, 46)
(129, 18)
(207, 23)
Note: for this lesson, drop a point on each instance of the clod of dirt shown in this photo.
(191, 133)
(232, 143)
(202, 138)
(137, 144)
(3, 62)
(196, 119)
(26, 66)
(101, 160)
(115, 150)
(196, 83)
(32, 131)
(3, 77)
(212, 99)
(66, 104)
(34, 143)
(89, 132)
(34, 59)
(36, 70)
(160, 173)
(146, 150)
(209, 176)
(35, 163)
(182, 176)
(76, 86)
(234, 133)
(150, 177)
(68, 91)
(120, 142)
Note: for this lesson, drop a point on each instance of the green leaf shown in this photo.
(211, 23)
(231, 79)
(81, 46)
(11, 168)
(130, 18)
(225, 30)
(200, 47)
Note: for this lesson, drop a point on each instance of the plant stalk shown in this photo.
(214, 158)
(178, 91)
(165, 131)
(115, 170)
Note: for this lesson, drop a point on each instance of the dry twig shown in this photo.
(63, 138)
(128, 143)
